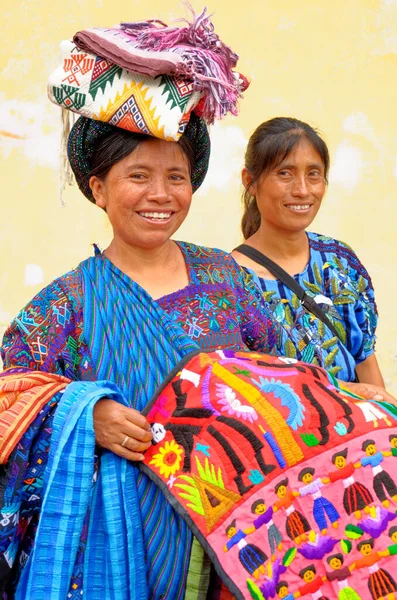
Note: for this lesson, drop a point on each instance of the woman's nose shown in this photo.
(158, 190)
(300, 188)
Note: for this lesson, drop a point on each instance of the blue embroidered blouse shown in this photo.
(340, 284)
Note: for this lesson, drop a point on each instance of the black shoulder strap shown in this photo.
(306, 300)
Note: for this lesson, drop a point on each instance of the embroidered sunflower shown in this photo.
(168, 459)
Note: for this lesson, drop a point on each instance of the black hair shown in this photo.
(364, 542)
(338, 556)
(340, 453)
(308, 568)
(284, 482)
(256, 503)
(120, 143)
(267, 147)
(280, 585)
(367, 443)
(307, 470)
(232, 524)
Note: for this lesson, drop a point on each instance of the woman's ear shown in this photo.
(98, 191)
(246, 179)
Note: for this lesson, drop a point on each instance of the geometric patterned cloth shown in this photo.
(286, 480)
(94, 87)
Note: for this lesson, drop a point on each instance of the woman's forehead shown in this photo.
(155, 151)
(303, 150)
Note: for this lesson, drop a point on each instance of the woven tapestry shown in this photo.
(96, 88)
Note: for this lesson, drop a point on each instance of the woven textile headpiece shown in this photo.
(146, 78)
(87, 133)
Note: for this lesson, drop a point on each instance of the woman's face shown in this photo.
(147, 194)
(290, 195)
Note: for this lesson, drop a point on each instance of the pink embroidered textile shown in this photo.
(287, 481)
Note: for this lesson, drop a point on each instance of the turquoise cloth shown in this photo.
(114, 559)
(338, 281)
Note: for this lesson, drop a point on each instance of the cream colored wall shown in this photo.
(333, 64)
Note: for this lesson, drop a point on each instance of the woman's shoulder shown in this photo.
(204, 254)
(65, 287)
(329, 244)
(339, 255)
(62, 296)
(212, 265)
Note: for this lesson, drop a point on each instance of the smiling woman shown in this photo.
(147, 196)
(110, 331)
(285, 178)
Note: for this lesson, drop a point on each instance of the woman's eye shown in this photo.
(137, 176)
(315, 174)
(284, 173)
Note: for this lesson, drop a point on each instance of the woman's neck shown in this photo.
(289, 249)
(280, 245)
(137, 260)
(160, 271)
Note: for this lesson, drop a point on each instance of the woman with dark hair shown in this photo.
(285, 178)
(100, 339)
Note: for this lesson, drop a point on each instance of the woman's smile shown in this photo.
(161, 218)
(299, 208)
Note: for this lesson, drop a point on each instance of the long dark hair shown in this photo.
(267, 147)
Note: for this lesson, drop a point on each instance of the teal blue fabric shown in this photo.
(114, 566)
(342, 287)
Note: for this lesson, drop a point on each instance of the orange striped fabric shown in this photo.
(22, 396)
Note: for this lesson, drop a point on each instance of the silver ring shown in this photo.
(127, 437)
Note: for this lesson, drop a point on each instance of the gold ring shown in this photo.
(127, 437)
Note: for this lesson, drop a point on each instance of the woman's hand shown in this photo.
(120, 429)
(369, 391)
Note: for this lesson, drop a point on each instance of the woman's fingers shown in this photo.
(134, 445)
(132, 449)
(134, 416)
(123, 430)
(371, 392)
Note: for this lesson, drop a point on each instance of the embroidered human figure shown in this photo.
(380, 583)
(393, 442)
(340, 574)
(391, 550)
(372, 413)
(251, 557)
(322, 507)
(282, 591)
(382, 480)
(265, 517)
(356, 496)
(313, 583)
(296, 525)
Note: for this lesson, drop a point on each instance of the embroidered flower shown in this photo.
(168, 460)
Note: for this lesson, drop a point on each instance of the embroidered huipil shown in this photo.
(340, 284)
(218, 309)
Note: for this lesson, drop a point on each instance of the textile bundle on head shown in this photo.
(148, 78)
(98, 89)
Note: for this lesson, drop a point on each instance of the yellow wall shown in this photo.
(333, 64)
